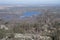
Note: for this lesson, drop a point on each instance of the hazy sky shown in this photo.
(29, 1)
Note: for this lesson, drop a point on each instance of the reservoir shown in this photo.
(28, 14)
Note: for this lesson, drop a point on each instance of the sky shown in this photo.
(30, 2)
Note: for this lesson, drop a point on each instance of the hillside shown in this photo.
(41, 23)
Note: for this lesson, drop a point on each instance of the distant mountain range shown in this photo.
(26, 5)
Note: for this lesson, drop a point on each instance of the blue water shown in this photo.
(27, 14)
